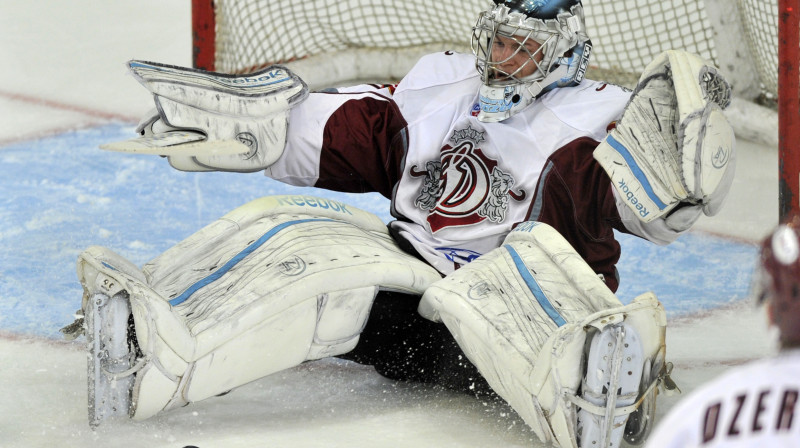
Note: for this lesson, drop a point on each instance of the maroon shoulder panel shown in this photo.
(574, 196)
(364, 143)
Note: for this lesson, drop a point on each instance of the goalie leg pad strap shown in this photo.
(275, 282)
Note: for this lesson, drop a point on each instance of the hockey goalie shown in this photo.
(508, 174)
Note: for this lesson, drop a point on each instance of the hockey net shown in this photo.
(333, 42)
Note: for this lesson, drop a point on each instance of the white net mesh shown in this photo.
(761, 30)
(626, 34)
(252, 33)
(629, 34)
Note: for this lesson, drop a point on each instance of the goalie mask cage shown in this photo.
(341, 42)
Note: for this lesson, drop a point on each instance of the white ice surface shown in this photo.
(326, 403)
(63, 68)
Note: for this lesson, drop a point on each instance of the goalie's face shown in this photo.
(513, 58)
(525, 48)
(510, 50)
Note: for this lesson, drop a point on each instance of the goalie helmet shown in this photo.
(777, 280)
(525, 48)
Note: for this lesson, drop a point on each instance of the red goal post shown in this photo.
(204, 26)
(789, 107)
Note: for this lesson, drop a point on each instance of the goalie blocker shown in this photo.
(206, 121)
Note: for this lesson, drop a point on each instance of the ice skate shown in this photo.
(112, 356)
(615, 362)
(639, 423)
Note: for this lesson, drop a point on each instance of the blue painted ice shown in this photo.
(62, 194)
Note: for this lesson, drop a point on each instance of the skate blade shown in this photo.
(615, 363)
(177, 143)
(107, 341)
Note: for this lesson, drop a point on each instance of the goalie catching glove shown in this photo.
(222, 111)
(673, 145)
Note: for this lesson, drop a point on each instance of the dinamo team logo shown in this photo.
(464, 186)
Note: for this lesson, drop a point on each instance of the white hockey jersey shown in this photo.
(757, 405)
(457, 185)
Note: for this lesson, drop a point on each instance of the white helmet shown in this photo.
(538, 45)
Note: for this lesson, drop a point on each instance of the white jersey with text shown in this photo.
(459, 185)
(756, 405)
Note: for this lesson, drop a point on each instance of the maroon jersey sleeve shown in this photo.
(574, 196)
(364, 144)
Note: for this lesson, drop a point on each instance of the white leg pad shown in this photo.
(522, 314)
(272, 284)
